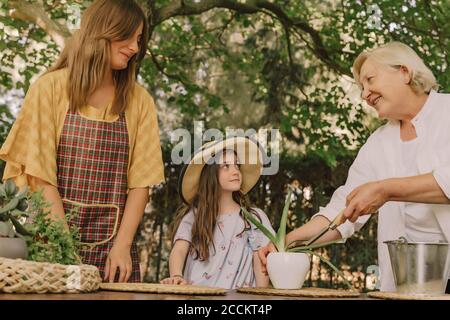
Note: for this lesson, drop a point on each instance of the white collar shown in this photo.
(426, 108)
(423, 113)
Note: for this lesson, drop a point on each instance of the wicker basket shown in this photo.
(21, 276)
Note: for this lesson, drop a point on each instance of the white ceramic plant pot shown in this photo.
(288, 270)
(13, 248)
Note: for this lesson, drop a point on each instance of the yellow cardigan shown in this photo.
(31, 146)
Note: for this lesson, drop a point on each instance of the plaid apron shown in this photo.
(92, 161)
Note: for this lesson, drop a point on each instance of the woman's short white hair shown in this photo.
(397, 54)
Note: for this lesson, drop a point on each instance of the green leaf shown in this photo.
(19, 228)
(281, 234)
(23, 194)
(332, 266)
(10, 187)
(5, 228)
(311, 247)
(263, 229)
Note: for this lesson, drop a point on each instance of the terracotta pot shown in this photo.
(13, 248)
(288, 270)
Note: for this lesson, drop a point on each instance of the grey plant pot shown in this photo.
(13, 248)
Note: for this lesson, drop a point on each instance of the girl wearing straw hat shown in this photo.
(212, 240)
(87, 134)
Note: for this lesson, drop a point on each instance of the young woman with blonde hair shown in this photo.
(87, 134)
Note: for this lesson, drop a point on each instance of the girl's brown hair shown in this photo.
(205, 207)
(87, 53)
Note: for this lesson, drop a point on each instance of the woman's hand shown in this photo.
(262, 253)
(174, 280)
(366, 199)
(118, 257)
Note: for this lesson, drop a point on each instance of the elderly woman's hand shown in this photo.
(366, 199)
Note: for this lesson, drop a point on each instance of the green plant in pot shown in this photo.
(13, 206)
(289, 266)
(27, 232)
(50, 240)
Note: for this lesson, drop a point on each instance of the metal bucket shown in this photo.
(419, 267)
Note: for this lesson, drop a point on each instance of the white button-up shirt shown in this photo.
(380, 158)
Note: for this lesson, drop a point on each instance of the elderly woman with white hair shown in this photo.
(403, 170)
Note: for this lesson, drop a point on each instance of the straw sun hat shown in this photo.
(249, 155)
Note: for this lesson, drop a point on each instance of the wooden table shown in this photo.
(123, 305)
(112, 295)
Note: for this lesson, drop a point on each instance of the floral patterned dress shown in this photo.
(230, 265)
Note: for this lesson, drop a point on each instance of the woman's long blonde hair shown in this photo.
(87, 53)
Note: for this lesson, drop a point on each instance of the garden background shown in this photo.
(244, 64)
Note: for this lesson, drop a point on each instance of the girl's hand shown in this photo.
(174, 280)
(262, 253)
(118, 257)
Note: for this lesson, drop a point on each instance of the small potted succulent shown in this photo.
(289, 266)
(13, 206)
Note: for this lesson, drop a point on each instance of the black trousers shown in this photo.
(447, 290)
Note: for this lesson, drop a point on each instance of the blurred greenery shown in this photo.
(254, 64)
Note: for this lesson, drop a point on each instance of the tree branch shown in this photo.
(34, 13)
(161, 69)
(289, 47)
(151, 16)
(188, 7)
